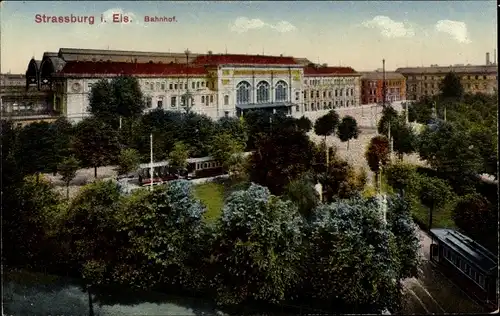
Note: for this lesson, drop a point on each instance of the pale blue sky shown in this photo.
(349, 33)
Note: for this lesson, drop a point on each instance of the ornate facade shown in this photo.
(216, 85)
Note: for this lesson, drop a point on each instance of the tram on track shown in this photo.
(468, 264)
(202, 167)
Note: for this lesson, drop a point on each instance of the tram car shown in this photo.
(468, 264)
(203, 167)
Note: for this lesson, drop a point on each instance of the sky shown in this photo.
(340, 33)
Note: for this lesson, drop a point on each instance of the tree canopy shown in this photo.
(348, 129)
(377, 153)
(96, 143)
(451, 86)
(327, 124)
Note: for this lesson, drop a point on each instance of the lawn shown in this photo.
(211, 194)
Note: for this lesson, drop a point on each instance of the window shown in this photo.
(346, 92)
(163, 86)
(203, 84)
(198, 85)
(262, 92)
(193, 85)
(329, 105)
(324, 106)
(206, 101)
(317, 94)
(185, 86)
(297, 108)
(175, 86)
(157, 86)
(151, 86)
(484, 77)
(341, 103)
(312, 106)
(340, 92)
(476, 77)
(173, 102)
(243, 93)
(202, 99)
(312, 94)
(352, 92)
(347, 103)
(324, 94)
(149, 102)
(336, 92)
(212, 98)
(226, 100)
(170, 86)
(297, 96)
(329, 94)
(226, 113)
(159, 103)
(280, 93)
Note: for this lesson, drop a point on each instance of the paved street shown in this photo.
(433, 292)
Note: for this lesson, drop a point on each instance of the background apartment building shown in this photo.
(372, 84)
(424, 81)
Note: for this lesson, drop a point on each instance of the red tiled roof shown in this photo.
(325, 71)
(244, 59)
(123, 68)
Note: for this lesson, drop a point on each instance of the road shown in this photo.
(432, 292)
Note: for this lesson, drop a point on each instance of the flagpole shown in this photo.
(151, 165)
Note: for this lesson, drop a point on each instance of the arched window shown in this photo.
(226, 100)
(280, 93)
(262, 92)
(243, 93)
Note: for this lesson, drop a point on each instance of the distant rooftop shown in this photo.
(482, 69)
(379, 75)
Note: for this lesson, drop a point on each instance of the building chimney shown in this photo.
(487, 58)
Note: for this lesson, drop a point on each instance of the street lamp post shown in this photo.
(187, 96)
(151, 170)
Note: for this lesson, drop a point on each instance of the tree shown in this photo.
(128, 161)
(377, 154)
(90, 231)
(302, 193)
(434, 192)
(341, 180)
(164, 229)
(35, 148)
(196, 131)
(401, 224)
(348, 129)
(485, 140)
(389, 117)
(327, 124)
(96, 143)
(404, 138)
(304, 124)
(257, 247)
(234, 127)
(280, 158)
(400, 175)
(178, 157)
(67, 170)
(477, 217)
(62, 131)
(451, 87)
(120, 97)
(224, 148)
(449, 149)
(351, 259)
(25, 223)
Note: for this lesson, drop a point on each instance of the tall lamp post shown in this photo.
(187, 96)
(151, 170)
